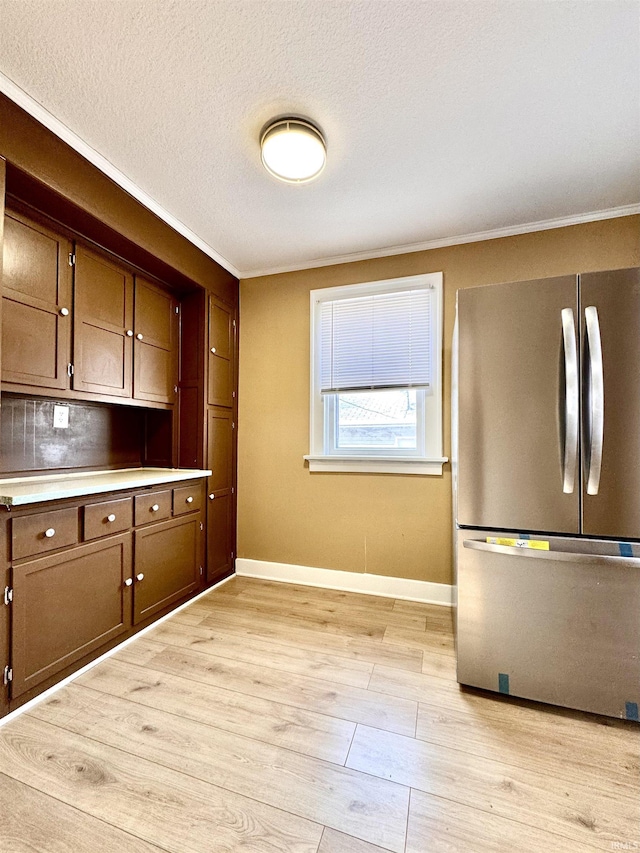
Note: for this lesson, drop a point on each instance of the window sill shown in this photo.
(377, 464)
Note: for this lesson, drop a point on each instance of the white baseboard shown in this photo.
(409, 590)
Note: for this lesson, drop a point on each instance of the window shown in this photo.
(376, 383)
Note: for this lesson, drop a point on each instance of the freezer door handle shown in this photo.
(596, 399)
(571, 401)
(560, 556)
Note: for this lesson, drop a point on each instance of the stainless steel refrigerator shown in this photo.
(547, 453)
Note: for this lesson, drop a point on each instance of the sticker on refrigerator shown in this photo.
(536, 544)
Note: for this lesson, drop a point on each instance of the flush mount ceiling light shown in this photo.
(293, 150)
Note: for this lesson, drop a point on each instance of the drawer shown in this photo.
(107, 517)
(152, 507)
(46, 531)
(187, 498)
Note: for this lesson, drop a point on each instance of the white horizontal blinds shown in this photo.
(378, 341)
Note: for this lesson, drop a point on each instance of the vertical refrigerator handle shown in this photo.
(571, 401)
(596, 399)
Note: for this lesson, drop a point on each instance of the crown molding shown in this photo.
(42, 115)
(478, 236)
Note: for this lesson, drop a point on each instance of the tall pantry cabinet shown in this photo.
(209, 401)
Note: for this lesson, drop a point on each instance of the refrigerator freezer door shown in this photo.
(557, 626)
(518, 399)
(610, 320)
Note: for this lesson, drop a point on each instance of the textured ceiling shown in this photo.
(442, 118)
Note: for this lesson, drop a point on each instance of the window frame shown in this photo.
(323, 456)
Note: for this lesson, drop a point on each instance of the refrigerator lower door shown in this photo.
(560, 626)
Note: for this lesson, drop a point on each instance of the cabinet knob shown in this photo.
(211, 496)
(111, 517)
(155, 508)
(213, 350)
(139, 336)
(128, 582)
(129, 333)
(64, 312)
(189, 500)
(140, 577)
(50, 532)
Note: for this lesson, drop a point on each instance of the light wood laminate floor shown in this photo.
(272, 718)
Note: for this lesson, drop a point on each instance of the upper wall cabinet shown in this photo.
(116, 337)
(156, 344)
(36, 300)
(221, 362)
(103, 318)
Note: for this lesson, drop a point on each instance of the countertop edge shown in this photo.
(87, 489)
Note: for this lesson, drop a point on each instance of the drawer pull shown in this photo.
(155, 508)
(140, 576)
(213, 350)
(128, 582)
(111, 517)
(211, 496)
(64, 312)
(49, 532)
(129, 333)
(189, 500)
(139, 336)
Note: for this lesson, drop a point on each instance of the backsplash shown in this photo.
(98, 436)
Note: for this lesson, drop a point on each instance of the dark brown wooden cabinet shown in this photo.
(66, 606)
(77, 320)
(156, 344)
(36, 304)
(103, 325)
(220, 357)
(80, 576)
(167, 565)
(220, 495)
(207, 432)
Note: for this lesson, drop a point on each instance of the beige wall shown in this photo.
(389, 524)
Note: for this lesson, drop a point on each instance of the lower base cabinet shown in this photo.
(67, 606)
(81, 576)
(167, 565)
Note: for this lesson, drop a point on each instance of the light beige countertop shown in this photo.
(17, 491)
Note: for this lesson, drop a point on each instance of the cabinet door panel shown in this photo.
(219, 536)
(220, 329)
(66, 606)
(167, 556)
(220, 362)
(154, 379)
(220, 449)
(103, 315)
(156, 344)
(36, 286)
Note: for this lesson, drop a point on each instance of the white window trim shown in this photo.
(361, 463)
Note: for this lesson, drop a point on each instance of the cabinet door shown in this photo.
(36, 304)
(220, 517)
(67, 606)
(103, 325)
(167, 564)
(156, 344)
(220, 514)
(221, 354)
